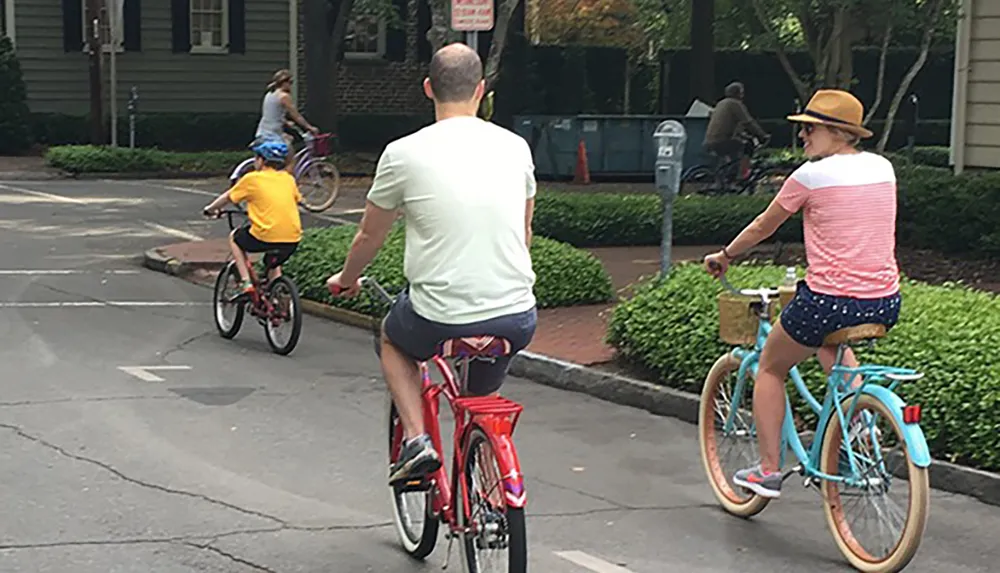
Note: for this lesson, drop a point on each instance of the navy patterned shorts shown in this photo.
(811, 316)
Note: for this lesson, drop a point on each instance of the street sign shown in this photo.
(472, 15)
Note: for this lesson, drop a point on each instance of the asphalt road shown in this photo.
(238, 460)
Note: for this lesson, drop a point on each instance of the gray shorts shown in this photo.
(419, 338)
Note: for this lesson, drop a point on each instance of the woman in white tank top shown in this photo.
(276, 106)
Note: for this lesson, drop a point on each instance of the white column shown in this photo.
(9, 19)
(293, 46)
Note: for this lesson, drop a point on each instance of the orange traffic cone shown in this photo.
(582, 174)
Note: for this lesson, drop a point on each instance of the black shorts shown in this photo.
(277, 253)
(419, 338)
(811, 316)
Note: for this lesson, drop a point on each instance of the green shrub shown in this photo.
(565, 276)
(614, 219)
(14, 125)
(947, 332)
(936, 210)
(102, 159)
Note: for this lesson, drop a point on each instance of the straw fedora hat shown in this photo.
(835, 108)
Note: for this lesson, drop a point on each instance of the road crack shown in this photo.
(184, 343)
(230, 556)
(149, 485)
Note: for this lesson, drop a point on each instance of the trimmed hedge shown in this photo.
(565, 276)
(671, 329)
(930, 155)
(936, 211)
(94, 159)
(614, 219)
(106, 159)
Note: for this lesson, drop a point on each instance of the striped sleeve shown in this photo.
(794, 192)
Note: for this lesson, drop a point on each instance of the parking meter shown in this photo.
(670, 138)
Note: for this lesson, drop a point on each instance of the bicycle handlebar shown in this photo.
(336, 290)
(764, 293)
(227, 212)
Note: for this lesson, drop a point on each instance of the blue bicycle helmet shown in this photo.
(275, 150)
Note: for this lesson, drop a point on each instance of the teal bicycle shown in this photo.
(845, 462)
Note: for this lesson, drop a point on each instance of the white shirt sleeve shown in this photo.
(387, 187)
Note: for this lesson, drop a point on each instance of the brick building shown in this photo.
(382, 68)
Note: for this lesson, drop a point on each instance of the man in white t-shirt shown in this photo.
(466, 190)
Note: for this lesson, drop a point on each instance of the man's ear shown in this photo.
(428, 90)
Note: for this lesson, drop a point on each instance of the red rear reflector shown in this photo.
(911, 414)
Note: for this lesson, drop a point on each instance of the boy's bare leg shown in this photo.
(240, 257)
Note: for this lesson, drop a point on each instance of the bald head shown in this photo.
(454, 73)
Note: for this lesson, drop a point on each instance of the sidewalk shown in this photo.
(574, 334)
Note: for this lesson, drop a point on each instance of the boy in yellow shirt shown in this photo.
(272, 198)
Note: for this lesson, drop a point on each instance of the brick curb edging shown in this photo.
(616, 388)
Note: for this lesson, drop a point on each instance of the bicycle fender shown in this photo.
(916, 442)
(236, 171)
(510, 468)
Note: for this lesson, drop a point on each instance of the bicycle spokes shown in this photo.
(487, 511)
(871, 506)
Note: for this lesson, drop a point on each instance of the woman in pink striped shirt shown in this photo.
(848, 201)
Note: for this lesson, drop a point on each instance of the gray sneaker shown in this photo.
(417, 459)
(763, 485)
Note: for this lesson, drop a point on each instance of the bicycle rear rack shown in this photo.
(498, 408)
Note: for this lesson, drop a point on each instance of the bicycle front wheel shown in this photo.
(412, 511)
(498, 542)
(719, 443)
(879, 469)
(319, 184)
(228, 312)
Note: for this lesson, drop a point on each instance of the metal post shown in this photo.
(112, 13)
(132, 101)
(95, 49)
(472, 40)
(795, 128)
(912, 139)
(670, 138)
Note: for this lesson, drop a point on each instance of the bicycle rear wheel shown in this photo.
(283, 341)
(497, 527)
(418, 541)
(716, 442)
(701, 180)
(875, 479)
(319, 184)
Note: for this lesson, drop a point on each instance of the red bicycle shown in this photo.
(483, 500)
(275, 304)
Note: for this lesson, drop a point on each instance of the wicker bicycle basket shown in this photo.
(737, 320)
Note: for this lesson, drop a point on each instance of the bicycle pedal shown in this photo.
(412, 485)
(796, 470)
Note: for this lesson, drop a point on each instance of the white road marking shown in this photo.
(185, 190)
(97, 304)
(173, 232)
(330, 218)
(43, 195)
(142, 372)
(590, 562)
(66, 272)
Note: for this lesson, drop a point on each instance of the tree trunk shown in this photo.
(702, 50)
(628, 86)
(880, 82)
(440, 32)
(318, 64)
(934, 10)
(800, 86)
(503, 14)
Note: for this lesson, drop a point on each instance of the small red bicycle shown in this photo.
(482, 502)
(275, 304)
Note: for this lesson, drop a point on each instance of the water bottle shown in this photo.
(787, 289)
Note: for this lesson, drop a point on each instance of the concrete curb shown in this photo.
(618, 389)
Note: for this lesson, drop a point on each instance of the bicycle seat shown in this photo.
(475, 347)
(858, 333)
